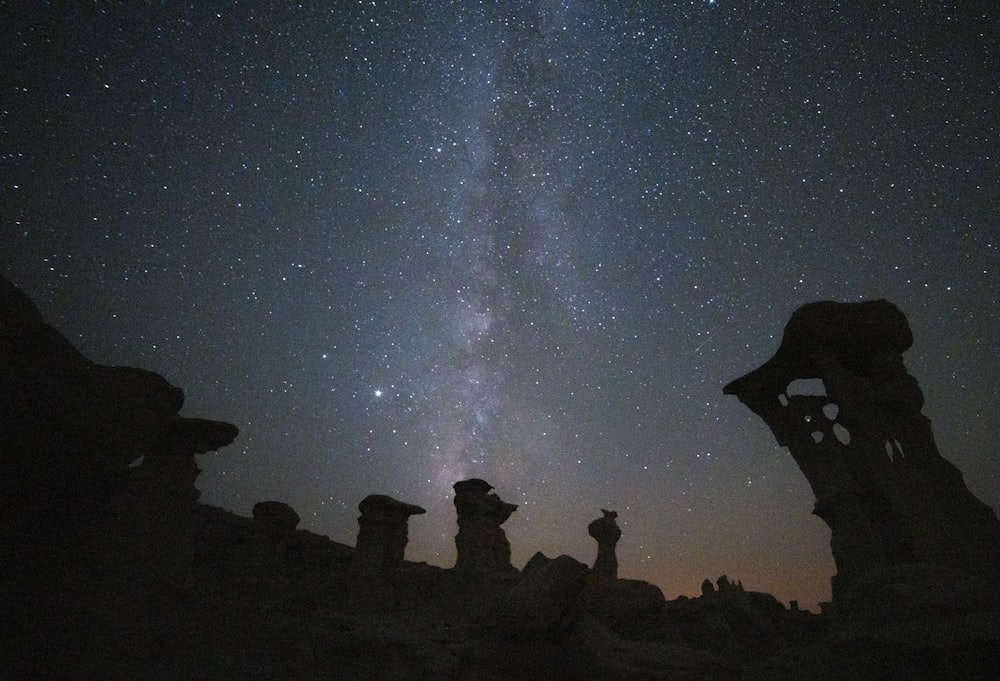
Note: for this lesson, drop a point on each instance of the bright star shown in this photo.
(378, 393)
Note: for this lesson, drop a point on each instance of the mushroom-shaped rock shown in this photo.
(382, 532)
(481, 544)
(606, 532)
(199, 436)
(102, 443)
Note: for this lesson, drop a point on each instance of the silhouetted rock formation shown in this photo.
(889, 497)
(110, 570)
(752, 620)
(606, 533)
(97, 472)
(265, 562)
(481, 544)
(276, 518)
(918, 556)
(626, 606)
(382, 532)
(538, 605)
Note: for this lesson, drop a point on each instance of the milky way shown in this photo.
(402, 244)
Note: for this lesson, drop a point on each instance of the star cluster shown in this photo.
(403, 244)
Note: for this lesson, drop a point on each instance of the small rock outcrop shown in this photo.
(276, 518)
(481, 544)
(274, 526)
(606, 533)
(868, 452)
(540, 604)
(626, 606)
(382, 532)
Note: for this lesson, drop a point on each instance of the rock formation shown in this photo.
(540, 604)
(891, 501)
(274, 526)
(275, 518)
(606, 533)
(97, 474)
(481, 544)
(382, 532)
(97, 578)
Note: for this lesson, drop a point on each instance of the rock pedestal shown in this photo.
(606, 532)
(382, 532)
(481, 544)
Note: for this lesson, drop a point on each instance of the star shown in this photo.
(617, 183)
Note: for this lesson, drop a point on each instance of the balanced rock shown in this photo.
(382, 531)
(274, 526)
(606, 533)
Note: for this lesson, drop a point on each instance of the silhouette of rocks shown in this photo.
(606, 532)
(111, 570)
(481, 544)
(382, 533)
(733, 624)
(539, 604)
(264, 563)
(626, 606)
(868, 452)
(907, 536)
(97, 474)
(276, 518)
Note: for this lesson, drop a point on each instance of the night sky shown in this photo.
(402, 244)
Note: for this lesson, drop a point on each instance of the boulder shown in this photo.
(627, 606)
(276, 517)
(540, 604)
(606, 533)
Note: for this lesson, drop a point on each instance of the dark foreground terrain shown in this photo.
(111, 569)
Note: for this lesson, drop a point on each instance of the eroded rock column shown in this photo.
(606, 532)
(382, 532)
(481, 544)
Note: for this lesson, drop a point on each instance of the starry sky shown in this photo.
(401, 244)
